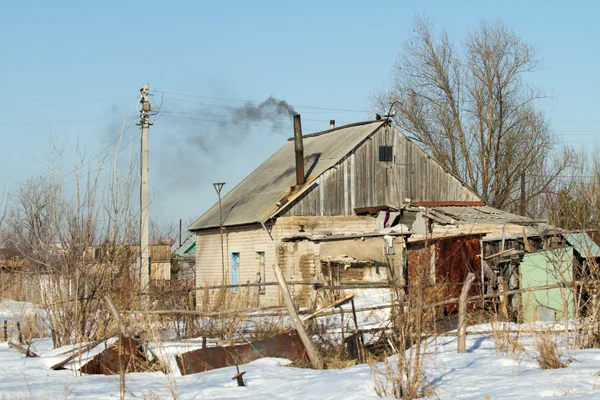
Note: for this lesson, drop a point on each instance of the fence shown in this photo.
(19, 286)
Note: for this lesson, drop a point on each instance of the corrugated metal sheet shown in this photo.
(255, 198)
(481, 215)
(583, 244)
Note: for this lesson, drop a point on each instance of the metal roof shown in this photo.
(254, 199)
(583, 244)
(477, 215)
(188, 246)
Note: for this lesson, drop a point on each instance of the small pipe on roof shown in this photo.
(331, 123)
(299, 150)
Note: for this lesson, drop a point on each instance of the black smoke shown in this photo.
(270, 109)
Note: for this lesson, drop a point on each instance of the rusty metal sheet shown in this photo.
(454, 260)
(285, 345)
(419, 261)
(125, 354)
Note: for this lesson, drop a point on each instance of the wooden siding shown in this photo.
(361, 180)
(247, 241)
(298, 260)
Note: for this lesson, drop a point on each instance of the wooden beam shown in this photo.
(322, 310)
(462, 314)
(313, 355)
(22, 350)
(82, 350)
(526, 241)
(116, 315)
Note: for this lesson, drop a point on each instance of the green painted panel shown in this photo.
(547, 268)
(191, 249)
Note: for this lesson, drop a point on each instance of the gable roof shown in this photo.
(255, 198)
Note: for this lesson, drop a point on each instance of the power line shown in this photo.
(11, 103)
(234, 121)
(251, 102)
(61, 122)
(107, 158)
(249, 124)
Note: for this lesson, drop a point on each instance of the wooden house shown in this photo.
(315, 186)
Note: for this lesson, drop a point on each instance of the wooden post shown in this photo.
(359, 339)
(462, 314)
(116, 315)
(313, 356)
(190, 320)
(503, 298)
(5, 331)
(526, 241)
(342, 320)
(19, 332)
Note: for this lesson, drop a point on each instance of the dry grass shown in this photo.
(506, 342)
(386, 382)
(549, 352)
(405, 376)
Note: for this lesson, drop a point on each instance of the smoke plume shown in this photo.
(269, 109)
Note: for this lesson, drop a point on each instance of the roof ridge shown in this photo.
(340, 127)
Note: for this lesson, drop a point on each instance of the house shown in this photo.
(183, 261)
(320, 185)
(128, 255)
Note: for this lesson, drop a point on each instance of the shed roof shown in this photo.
(477, 215)
(255, 198)
(583, 244)
(187, 248)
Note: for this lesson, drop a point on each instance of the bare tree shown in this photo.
(574, 200)
(74, 231)
(472, 110)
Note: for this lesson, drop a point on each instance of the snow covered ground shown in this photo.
(479, 372)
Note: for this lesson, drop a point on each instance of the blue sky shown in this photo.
(79, 65)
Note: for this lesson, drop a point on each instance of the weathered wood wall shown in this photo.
(298, 260)
(246, 240)
(361, 180)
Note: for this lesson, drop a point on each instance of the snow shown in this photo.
(479, 372)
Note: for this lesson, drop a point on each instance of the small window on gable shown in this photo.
(386, 153)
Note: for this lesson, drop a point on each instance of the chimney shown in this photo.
(331, 123)
(299, 147)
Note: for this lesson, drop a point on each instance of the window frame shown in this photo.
(386, 154)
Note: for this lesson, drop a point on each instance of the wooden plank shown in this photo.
(462, 314)
(313, 355)
(83, 349)
(322, 310)
(113, 309)
(22, 350)
(526, 241)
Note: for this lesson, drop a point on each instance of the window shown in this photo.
(386, 153)
(260, 274)
(235, 271)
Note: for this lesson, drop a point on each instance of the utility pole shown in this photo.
(144, 219)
